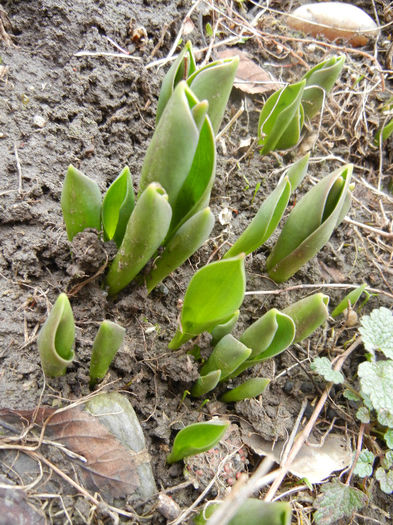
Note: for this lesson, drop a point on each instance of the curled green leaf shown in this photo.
(181, 69)
(384, 133)
(271, 211)
(310, 224)
(187, 239)
(319, 81)
(206, 383)
(146, 230)
(251, 388)
(80, 202)
(308, 314)
(196, 438)
(223, 329)
(213, 83)
(227, 356)
(214, 294)
(56, 338)
(107, 342)
(253, 512)
(117, 207)
(281, 119)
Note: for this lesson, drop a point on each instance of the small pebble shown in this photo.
(39, 121)
(168, 507)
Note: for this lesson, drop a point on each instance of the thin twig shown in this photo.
(19, 168)
(305, 433)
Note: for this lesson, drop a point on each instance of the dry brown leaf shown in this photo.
(110, 467)
(335, 21)
(250, 78)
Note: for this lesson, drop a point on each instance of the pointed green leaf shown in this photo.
(349, 300)
(213, 83)
(146, 230)
(310, 225)
(215, 292)
(107, 342)
(320, 80)
(271, 211)
(117, 207)
(227, 356)
(181, 69)
(80, 202)
(186, 241)
(251, 388)
(195, 191)
(223, 329)
(206, 383)
(56, 338)
(308, 314)
(196, 438)
(281, 119)
(386, 131)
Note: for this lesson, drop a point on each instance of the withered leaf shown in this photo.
(250, 78)
(110, 467)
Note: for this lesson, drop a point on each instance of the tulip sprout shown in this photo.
(282, 117)
(56, 338)
(196, 438)
(107, 342)
(176, 180)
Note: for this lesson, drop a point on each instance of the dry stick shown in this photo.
(382, 233)
(304, 434)
(19, 168)
(358, 450)
(241, 491)
(317, 285)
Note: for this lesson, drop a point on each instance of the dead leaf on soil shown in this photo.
(110, 467)
(250, 78)
(315, 461)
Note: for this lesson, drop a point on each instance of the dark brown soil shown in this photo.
(98, 113)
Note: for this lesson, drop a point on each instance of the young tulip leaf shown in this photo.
(117, 207)
(251, 388)
(349, 300)
(107, 342)
(146, 229)
(80, 202)
(181, 69)
(196, 438)
(308, 314)
(215, 292)
(383, 133)
(188, 238)
(181, 156)
(319, 81)
(252, 512)
(310, 224)
(271, 211)
(56, 338)
(206, 383)
(281, 119)
(223, 329)
(227, 356)
(213, 83)
(270, 335)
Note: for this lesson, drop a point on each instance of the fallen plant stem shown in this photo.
(317, 285)
(382, 233)
(305, 433)
(358, 450)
